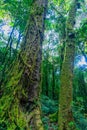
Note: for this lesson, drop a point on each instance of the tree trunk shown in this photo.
(24, 77)
(65, 117)
(47, 73)
(32, 56)
(53, 81)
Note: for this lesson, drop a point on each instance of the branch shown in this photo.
(57, 10)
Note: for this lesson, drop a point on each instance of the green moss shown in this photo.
(10, 112)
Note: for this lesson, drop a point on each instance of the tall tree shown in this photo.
(65, 117)
(23, 86)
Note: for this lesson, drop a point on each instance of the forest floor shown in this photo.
(50, 115)
(49, 125)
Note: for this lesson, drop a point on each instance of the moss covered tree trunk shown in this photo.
(32, 56)
(23, 84)
(65, 117)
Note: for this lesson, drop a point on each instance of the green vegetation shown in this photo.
(43, 65)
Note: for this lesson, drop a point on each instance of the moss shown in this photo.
(23, 78)
(37, 119)
(10, 112)
(65, 98)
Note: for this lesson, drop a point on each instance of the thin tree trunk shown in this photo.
(18, 41)
(47, 73)
(53, 79)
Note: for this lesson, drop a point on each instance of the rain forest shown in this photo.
(43, 64)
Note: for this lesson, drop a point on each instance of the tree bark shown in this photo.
(32, 57)
(53, 81)
(24, 77)
(47, 73)
(65, 117)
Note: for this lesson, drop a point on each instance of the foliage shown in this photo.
(48, 106)
(17, 13)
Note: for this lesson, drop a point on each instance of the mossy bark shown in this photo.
(65, 116)
(23, 84)
(32, 56)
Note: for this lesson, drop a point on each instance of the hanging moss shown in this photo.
(10, 112)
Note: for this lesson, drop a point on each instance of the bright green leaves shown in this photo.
(49, 24)
(63, 4)
(82, 33)
(17, 10)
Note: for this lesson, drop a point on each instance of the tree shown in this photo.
(23, 82)
(65, 117)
